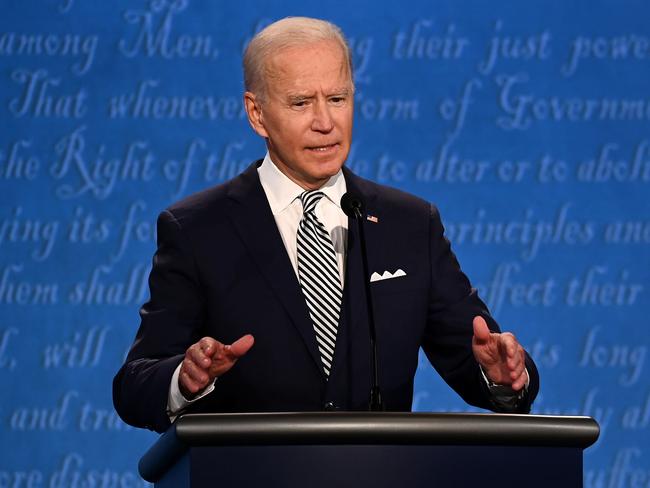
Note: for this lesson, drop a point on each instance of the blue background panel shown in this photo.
(527, 123)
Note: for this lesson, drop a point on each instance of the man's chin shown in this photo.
(329, 162)
(316, 179)
(328, 170)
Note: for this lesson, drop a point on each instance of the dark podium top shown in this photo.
(435, 440)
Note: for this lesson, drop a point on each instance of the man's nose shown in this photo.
(322, 121)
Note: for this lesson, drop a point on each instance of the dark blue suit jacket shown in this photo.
(221, 270)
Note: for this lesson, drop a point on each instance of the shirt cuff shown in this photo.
(176, 402)
(503, 394)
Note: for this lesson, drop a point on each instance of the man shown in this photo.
(257, 295)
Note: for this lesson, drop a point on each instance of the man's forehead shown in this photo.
(291, 65)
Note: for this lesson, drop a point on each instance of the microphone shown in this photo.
(353, 207)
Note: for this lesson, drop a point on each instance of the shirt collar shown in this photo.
(281, 191)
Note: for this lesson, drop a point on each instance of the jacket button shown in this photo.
(330, 406)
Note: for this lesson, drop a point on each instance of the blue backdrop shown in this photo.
(527, 123)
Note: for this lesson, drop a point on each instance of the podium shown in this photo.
(354, 449)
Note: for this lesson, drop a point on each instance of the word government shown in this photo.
(523, 108)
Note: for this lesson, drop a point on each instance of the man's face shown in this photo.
(306, 114)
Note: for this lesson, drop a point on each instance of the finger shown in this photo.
(520, 382)
(516, 363)
(481, 330)
(241, 346)
(195, 373)
(209, 346)
(509, 344)
(198, 356)
(517, 372)
(520, 361)
(188, 384)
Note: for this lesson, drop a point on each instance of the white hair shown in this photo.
(287, 32)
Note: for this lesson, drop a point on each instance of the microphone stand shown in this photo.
(376, 403)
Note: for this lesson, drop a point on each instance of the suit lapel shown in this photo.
(354, 283)
(252, 218)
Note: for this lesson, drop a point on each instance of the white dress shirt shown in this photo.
(283, 197)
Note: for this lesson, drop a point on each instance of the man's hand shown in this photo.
(500, 355)
(207, 359)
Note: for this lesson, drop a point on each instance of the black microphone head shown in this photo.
(352, 205)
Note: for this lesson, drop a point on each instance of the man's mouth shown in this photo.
(323, 149)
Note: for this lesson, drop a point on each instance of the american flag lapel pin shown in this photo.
(372, 219)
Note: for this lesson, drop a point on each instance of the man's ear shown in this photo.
(254, 111)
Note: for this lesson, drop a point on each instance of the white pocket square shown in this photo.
(386, 275)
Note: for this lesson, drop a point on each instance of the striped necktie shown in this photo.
(319, 277)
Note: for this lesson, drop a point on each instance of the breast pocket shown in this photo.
(399, 282)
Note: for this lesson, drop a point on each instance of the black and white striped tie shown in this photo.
(319, 277)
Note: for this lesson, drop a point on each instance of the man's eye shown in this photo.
(299, 103)
(337, 100)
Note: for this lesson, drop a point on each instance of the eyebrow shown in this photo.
(304, 95)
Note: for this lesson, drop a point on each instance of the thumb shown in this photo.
(241, 346)
(481, 331)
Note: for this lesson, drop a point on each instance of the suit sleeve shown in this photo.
(447, 340)
(171, 321)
